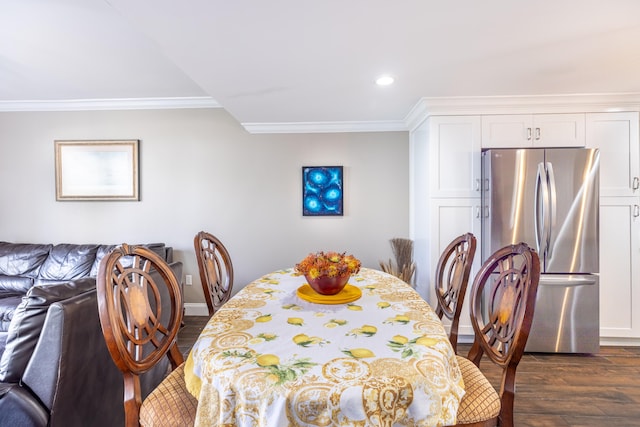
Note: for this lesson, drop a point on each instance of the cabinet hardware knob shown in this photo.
(636, 182)
(477, 211)
(477, 184)
(537, 134)
(528, 134)
(636, 211)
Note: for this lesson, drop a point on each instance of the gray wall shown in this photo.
(200, 170)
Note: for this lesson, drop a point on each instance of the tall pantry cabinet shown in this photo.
(446, 181)
(617, 137)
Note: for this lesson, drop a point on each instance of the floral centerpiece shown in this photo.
(328, 272)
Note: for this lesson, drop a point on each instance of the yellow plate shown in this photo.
(348, 294)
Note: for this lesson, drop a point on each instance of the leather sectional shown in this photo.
(55, 368)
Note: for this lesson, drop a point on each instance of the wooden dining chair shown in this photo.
(509, 282)
(216, 270)
(140, 309)
(452, 276)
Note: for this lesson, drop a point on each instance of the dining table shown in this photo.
(280, 354)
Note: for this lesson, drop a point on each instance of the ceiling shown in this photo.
(304, 61)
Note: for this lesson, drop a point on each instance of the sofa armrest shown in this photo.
(28, 321)
(71, 370)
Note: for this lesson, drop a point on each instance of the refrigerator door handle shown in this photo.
(539, 204)
(567, 280)
(552, 207)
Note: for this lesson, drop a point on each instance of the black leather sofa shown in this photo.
(55, 368)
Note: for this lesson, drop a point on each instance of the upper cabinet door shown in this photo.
(558, 130)
(616, 135)
(533, 130)
(454, 156)
(507, 131)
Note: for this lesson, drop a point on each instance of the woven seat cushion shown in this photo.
(170, 404)
(480, 401)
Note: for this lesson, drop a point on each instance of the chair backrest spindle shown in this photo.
(215, 268)
(451, 279)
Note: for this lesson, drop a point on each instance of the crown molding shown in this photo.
(417, 114)
(425, 107)
(327, 127)
(537, 104)
(109, 104)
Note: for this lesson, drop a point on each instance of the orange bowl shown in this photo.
(326, 285)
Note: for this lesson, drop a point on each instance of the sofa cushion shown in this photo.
(22, 259)
(27, 322)
(18, 407)
(68, 262)
(8, 307)
(159, 248)
(100, 253)
(14, 285)
(3, 341)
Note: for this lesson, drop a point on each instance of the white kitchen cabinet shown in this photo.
(449, 219)
(619, 269)
(533, 130)
(617, 137)
(445, 163)
(445, 195)
(454, 156)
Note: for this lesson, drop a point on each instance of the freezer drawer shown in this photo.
(567, 315)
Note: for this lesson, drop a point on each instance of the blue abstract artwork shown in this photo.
(322, 190)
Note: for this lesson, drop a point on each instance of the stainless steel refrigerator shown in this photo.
(548, 198)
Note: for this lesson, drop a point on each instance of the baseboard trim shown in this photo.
(604, 341)
(620, 342)
(195, 309)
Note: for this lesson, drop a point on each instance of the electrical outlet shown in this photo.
(188, 279)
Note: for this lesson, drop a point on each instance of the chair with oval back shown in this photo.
(140, 309)
(216, 270)
(452, 276)
(509, 282)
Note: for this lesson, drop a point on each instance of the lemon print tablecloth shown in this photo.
(271, 358)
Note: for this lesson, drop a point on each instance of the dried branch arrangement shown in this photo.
(404, 267)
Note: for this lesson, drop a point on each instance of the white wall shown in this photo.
(200, 170)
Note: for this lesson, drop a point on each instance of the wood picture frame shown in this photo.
(97, 170)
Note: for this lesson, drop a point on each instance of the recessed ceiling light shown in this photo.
(384, 80)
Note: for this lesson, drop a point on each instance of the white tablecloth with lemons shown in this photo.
(270, 358)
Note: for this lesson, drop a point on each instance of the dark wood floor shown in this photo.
(189, 333)
(553, 390)
(557, 390)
